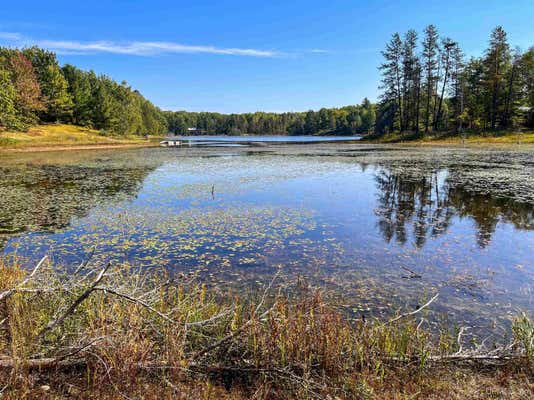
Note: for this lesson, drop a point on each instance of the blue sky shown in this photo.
(240, 56)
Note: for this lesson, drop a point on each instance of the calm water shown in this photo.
(381, 228)
(267, 139)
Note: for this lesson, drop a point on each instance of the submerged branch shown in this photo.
(415, 311)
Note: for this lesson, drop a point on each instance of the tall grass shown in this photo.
(148, 336)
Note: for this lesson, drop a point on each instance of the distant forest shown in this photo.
(427, 85)
(347, 120)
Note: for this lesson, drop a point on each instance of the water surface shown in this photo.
(272, 139)
(381, 228)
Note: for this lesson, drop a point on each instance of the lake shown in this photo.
(267, 139)
(255, 141)
(379, 228)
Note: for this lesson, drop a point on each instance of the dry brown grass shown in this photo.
(471, 139)
(54, 136)
(148, 337)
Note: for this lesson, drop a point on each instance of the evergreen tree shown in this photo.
(409, 78)
(79, 86)
(430, 65)
(527, 83)
(391, 78)
(496, 65)
(447, 59)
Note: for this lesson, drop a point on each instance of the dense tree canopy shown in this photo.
(346, 120)
(34, 88)
(432, 87)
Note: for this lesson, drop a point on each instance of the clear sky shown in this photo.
(239, 55)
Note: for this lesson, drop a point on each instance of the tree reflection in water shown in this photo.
(44, 198)
(416, 205)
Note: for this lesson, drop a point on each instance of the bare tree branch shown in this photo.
(10, 292)
(52, 324)
(416, 311)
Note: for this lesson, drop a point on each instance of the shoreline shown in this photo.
(475, 140)
(75, 147)
(201, 343)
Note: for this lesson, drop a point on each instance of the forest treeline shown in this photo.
(428, 85)
(356, 119)
(35, 89)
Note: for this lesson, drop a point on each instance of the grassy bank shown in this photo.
(112, 332)
(445, 139)
(61, 136)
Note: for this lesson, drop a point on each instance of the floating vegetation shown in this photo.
(200, 240)
(351, 218)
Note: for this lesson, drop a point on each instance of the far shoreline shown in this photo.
(62, 137)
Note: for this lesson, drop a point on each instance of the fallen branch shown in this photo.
(66, 362)
(459, 340)
(41, 363)
(245, 325)
(136, 301)
(159, 313)
(51, 325)
(11, 291)
(416, 311)
(413, 275)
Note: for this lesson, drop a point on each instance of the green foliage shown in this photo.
(52, 83)
(79, 86)
(438, 91)
(8, 112)
(346, 121)
(34, 88)
(27, 99)
(523, 330)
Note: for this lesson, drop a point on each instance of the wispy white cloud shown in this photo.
(10, 36)
(150, 48)
(136, 48)
(320, 51)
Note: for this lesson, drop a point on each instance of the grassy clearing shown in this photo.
(62, 135)
(118, 333)
(484, 138)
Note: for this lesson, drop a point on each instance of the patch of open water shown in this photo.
(379, 227)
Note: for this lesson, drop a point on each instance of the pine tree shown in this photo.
(496, 63)
(409, 60)
(458, 88)
(448, 47)
(513, 89)
(527, 83)
(430, 65)
(391, 78)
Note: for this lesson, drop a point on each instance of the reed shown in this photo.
(117, 332)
